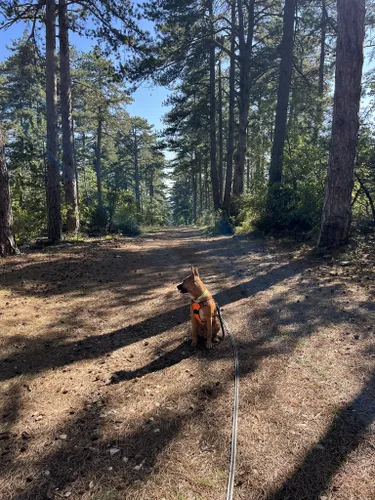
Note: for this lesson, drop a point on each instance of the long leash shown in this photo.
(233, 448)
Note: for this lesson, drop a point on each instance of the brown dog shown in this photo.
(203, 312)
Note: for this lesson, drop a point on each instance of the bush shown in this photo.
(293, 210)
(98, 221)
(129, 227)
(220, 225)
(124, 219)
(28, 224)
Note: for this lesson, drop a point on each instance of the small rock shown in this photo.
(319, 447)
(64, 437)
(156, 431)
(67, 494)
(47, 473)
(125, 459)
(91, 485)
(110, 468)
(345, 263)
(114, 451)
(139, 467)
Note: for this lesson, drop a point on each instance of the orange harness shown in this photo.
(197, 306)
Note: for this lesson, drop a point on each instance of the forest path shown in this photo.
(75, 318)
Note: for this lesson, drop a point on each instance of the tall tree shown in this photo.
(349, 62)
(246, 35)
(232, 92)
(7, 243)
(69, 174)
(98, 158)
(285, 75)
(221, 131)
(214, 170)
(53, 172)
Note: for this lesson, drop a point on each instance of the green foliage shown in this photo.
(220, 226)
(98, 95)
(98, 221)
(124, 216)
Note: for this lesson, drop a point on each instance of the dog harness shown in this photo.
(197, 306)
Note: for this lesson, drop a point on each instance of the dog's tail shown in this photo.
(220, 319)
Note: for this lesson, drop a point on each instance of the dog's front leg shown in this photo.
(209, 333)
(194, 325)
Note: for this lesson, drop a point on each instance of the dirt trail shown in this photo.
(103, 398)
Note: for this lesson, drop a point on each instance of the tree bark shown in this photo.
(98, 159)
(69, 174)
(200, 186)
(221, 140)
(339, 185)
(7, 242)
(230, 140)
(245, 51)
(195, 196)
(137, 176)
(285, 77)
(53, 172)
(322, 57)
(214, 171)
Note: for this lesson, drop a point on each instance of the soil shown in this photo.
(103, 398)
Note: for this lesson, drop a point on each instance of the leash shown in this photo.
(220, 319)
(233, 448)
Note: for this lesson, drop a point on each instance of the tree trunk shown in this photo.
(220, 124)
(137, 176)
(230, 140)
(7, 243)
(323, 34)
(98, 159)
(339, 185)
(285, 77)
(151, 192)
(206, 203)
(245, 51)
(53, 172)
(70, 180)
(368, 196)
(195, 196)
(214, 171)
(200, 186)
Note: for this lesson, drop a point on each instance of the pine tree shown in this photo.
(7, 243)
(349, 61)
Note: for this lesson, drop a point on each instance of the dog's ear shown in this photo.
(195, 271)
(192, 270)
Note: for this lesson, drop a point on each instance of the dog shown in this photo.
(203, 312)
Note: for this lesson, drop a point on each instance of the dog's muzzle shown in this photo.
(181, 288)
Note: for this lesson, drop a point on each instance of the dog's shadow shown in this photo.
(181, 352)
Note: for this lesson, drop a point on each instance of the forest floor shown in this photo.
(102, 396)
